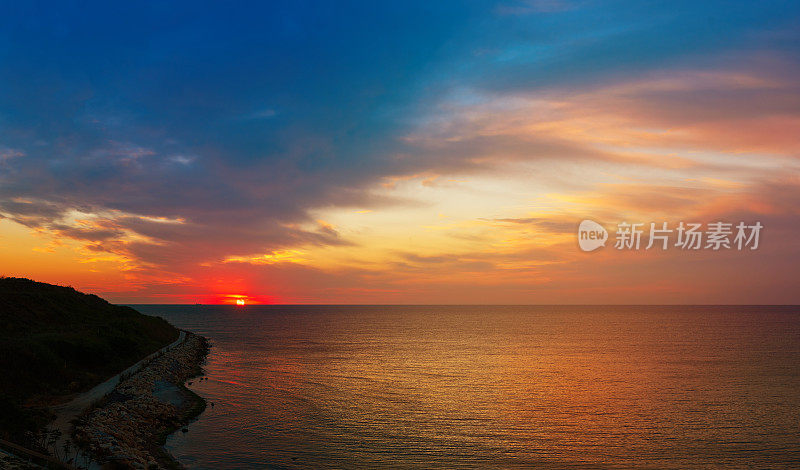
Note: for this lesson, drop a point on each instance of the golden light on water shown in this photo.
(466, 386)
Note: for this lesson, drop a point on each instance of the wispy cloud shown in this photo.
(412, 152)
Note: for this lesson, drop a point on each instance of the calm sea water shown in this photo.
(494, 387)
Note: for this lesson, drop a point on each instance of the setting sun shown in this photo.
(239, 301)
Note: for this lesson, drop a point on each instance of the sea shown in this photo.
(656, 387)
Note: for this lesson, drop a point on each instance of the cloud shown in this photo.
(182, 159)
(536, 6)
(543, 223)
(8, 154)
(222, 142)
(266, 113)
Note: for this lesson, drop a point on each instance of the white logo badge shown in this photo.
(591, 235)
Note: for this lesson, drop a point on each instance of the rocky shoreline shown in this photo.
(128, 428)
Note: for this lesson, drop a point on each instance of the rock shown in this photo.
(125, 430)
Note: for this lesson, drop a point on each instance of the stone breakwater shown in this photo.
(128, 427)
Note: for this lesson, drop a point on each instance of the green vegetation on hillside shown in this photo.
(55, 341)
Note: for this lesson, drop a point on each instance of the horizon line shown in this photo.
(464, 305)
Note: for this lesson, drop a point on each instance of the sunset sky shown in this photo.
(397, 152)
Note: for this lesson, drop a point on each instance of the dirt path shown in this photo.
(69, 411)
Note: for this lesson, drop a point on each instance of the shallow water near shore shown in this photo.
(494, 386)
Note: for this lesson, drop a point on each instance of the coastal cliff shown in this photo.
(65, 354)
(56, 343)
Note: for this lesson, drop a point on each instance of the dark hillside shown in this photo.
(56, 341)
